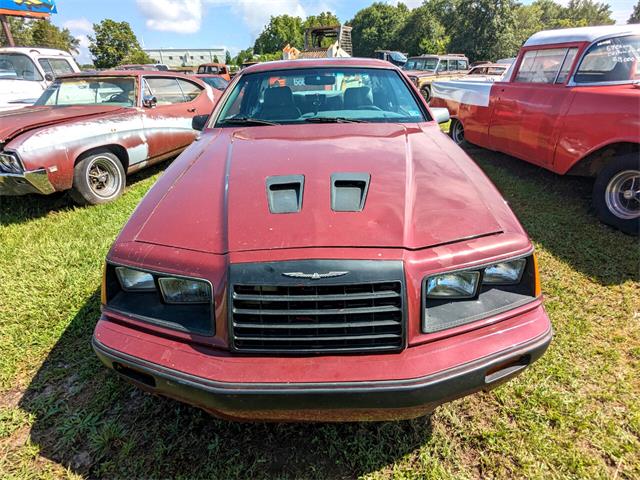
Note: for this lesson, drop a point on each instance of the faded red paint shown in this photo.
(58, 131)
(554, 126)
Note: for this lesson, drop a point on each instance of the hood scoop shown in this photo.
(284, 193)
(349, 191)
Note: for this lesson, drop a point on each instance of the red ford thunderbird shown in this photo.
(323, 252)
(88, 130)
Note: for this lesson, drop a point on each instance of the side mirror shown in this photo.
(199, 121)
(49, 78)
(149, 101)
(440, 115)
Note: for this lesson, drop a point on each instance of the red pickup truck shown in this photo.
(571, 104)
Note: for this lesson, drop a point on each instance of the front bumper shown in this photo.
(34, 181)
(322, 391)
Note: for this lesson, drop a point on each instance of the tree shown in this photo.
(582, 13)
(635, 16)
(324, 19)
(243, 55)
(485, 29)
(215, 59)
(423, 33)
(40, 33)
(44, 33)
(137, 57)
(227, 58)
(377, 27)
(113, 43)
(281, 30)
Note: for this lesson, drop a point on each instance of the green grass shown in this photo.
(574, 414)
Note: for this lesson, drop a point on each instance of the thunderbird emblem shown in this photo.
(314, 275)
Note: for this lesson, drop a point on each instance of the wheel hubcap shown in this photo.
(458, 133)
(623, 194)
(103, 177)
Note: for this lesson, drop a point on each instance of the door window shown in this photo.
(611, 60)
(541, 66)
(166, 90)
(442, 66)
(565, 70)
(189, 90)
(55, 66)
(462, 65)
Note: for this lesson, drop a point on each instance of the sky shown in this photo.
(230, 24)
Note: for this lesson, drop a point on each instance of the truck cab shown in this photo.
(570, 104)
(26, 72)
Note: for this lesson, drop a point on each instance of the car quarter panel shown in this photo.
(57, 147)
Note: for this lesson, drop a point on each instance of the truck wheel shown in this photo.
(426, 93)
(616, 193)
(98, 178)
(456, 131)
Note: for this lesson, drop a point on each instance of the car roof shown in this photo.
(318, 63)
(35, 50)
(446, 55)
(490, 65)
(127, 73)
(581, 34)
(212, 64)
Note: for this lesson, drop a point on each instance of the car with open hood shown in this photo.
(88, 130)
(323, 251)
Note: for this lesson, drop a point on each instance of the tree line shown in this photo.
(481, 29)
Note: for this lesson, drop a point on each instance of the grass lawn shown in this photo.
(574, 414)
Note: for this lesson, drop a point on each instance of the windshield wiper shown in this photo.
(247, 121)
(334, 120)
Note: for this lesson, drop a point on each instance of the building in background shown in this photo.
(186, 58)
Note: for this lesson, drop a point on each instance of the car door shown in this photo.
(527, 110)
(168, 123)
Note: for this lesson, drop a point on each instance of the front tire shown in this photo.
(98, 178)
(616, 193)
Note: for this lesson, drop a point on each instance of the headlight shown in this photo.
(184, 290)
(453, 285)
(504, 273)
(9, 163)
(134, 280)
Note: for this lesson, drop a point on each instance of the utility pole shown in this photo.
(7, 30)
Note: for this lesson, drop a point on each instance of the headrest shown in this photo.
(357, 96)
(278, 96)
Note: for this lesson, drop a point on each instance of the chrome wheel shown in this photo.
(622, 194)
(457, 132)
(426, 93)
(103, 177)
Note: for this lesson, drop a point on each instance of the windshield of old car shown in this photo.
(421, 64)
(319, 95)
(90, 91)
(611, 60)
(218, 83)
(17, 66)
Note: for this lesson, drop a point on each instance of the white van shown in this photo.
(25, 72)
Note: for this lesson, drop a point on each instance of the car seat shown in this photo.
(278, 104)
(358, 98)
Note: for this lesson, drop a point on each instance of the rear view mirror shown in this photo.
(149, 101)
(199, 122)
(49, 78)
(440, 115)
(319, 80)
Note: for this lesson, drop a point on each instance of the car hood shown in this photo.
(418, 196)
(14, 122)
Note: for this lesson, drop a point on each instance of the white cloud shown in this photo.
(179, 16)
(79, 25)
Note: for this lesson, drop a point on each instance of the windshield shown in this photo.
(216, 82)
(421, 64)
(90, 91)
(321, 94)
(611, 60)
(16, 66)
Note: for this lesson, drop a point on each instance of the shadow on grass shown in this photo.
(95, 424)
(556, 211)
(21, 209)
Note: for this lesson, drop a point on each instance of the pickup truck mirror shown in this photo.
(199, 121)
(440, 115)
(149, 101)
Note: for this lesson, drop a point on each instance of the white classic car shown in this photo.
(26, 72)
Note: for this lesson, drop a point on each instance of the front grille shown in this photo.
(312, 317)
